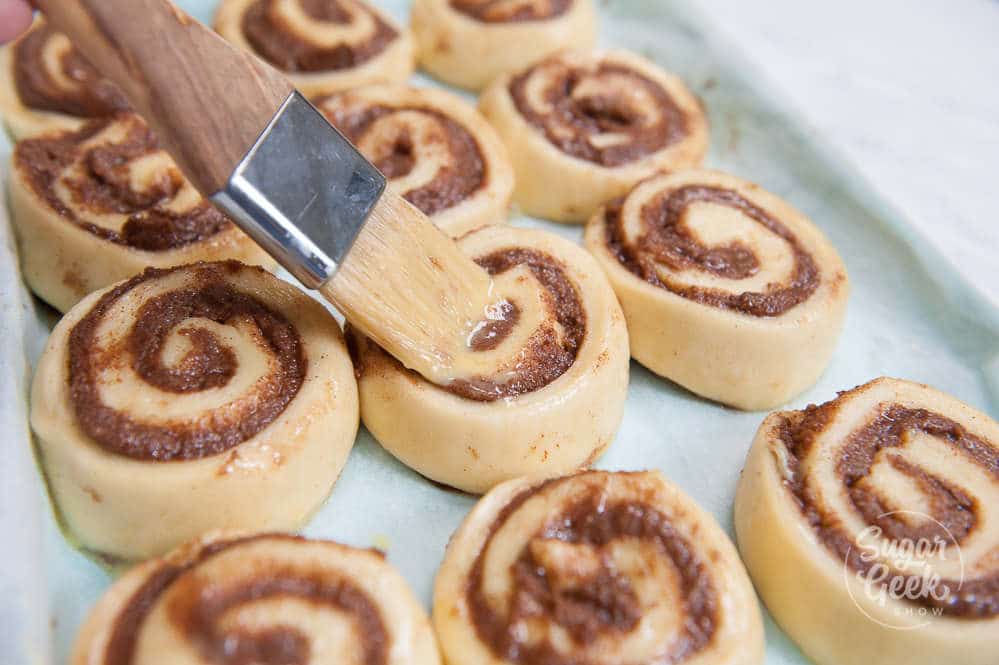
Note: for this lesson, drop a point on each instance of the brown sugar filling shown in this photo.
(668, 241)
(955, 513)
(206, 364)
(104, 188)
(275, 41)
(601, 602)
(462, 177)
(572, 120)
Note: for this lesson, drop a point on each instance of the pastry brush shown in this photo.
(263, 154)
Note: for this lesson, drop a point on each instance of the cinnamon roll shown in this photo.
(728, 290)
(436, 151)
(322, 46)
(97, 205)
(583, 127)
(264, 598)
(187, 399)
(542, 386)
(469, 43)
(46, 85)
(873, 516)
(594, 568)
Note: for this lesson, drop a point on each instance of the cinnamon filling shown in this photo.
(572, 120)
(592, 601)
(456, 180)
(548, 355)
(199, 609)
(492, 332)
(276, 41)
(505, 11)
(668, 241)
(90, 96)
(206, 364)
(955, 514)
(104, 187)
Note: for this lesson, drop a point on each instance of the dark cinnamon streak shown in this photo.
(492, 333)
(199, 608)
(504, 11)
(456, 181)
(91, 96)
(950, 506)
(602, 602)
(207, 364)
(547, 354)
(105, 188)
(278, 43)
(668, 240)
(574, 118)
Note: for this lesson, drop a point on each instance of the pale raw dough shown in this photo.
(595, 537)
(741, 359)
(559, 186)
(817, 600)
(62, 260)
(393, 64)
(129, 507)
(558, 428)
(411, 125)
(467, 52)
(330, 599)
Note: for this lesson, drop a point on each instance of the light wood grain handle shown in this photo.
(206, 100)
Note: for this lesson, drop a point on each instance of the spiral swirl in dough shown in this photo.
(728, 290)
(584, 127)
(187, 399)
(437, 152)
(99, 204)
(544, 384)
(834, 511)
(46, 85)
(322, 46)
(267, 599)
(469, 43)
(594, 568)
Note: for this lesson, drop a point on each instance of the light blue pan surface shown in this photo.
(910, 316)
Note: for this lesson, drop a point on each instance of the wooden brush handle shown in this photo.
(206, 100)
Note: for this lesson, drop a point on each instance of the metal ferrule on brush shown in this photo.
(302, 192)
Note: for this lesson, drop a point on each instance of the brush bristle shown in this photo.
(408, 287)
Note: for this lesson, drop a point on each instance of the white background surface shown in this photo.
(909, 93)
